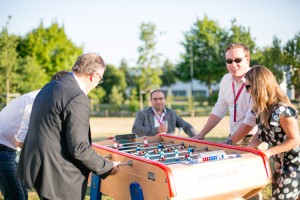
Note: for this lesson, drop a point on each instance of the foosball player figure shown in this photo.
(168, 149)
(176, 153)
(138, 148)
(188, 156)
(145, 142)
(190, 149)
(115, 146)
(146, 155)
(154, 150)
(160, 146)
(182, 147)
(162, 155)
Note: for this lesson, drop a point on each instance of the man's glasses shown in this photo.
(101, 79)
(237, 60)
(247, 87)
(156, 99)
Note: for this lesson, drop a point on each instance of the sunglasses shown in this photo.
(237, 60)
(247, 87)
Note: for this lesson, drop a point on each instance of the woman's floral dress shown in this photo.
(286, 175)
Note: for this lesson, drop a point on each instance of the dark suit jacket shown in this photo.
(144, 123)
(57, 155)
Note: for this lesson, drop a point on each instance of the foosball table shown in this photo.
(168, 167)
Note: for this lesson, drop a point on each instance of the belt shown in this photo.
(5, 148)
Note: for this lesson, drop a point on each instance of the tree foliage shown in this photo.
(9, 79)
(291, 53)
(272, 57)
(116, 99)
(168, 76)
(148, 60)
(204, 46)
(113, 77)
(133, 101)
(50, 48)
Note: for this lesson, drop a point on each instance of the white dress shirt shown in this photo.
(14, 119)
(226, 101)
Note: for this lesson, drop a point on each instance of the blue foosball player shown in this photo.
(160, 146)
(190, 149)
(176, 152)
(138, 148)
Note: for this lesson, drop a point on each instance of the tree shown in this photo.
(292, 59)
(272, 57)
(129, 75)
(148, 61)
(31, 75)
(203, 45)
(116, 99)
(8, 62)
(240, 34)
(50, 48)
(168, 76)
(133, 101)
(113, 77)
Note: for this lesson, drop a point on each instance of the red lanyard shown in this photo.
(158, 119)
(236, 98)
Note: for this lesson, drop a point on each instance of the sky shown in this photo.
(111, 27)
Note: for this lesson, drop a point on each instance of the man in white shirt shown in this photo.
(233, 96)
(14, 121)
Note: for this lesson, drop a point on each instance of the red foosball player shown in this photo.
(145, 142)
(115, 144)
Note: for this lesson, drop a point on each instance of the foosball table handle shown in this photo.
(129, 163)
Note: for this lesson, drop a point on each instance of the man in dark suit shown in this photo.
(159, 119)
(57, 156)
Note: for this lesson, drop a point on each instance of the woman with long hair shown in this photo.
(277, 125)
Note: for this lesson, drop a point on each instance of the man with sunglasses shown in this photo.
(159, 119)
(234, 97)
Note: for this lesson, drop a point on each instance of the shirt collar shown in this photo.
(237, 83)
(164, 111)
(81, 85)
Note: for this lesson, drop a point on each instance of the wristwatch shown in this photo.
(229, 141)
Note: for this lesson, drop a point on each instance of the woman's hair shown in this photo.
(265, 92)
(86, 64)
